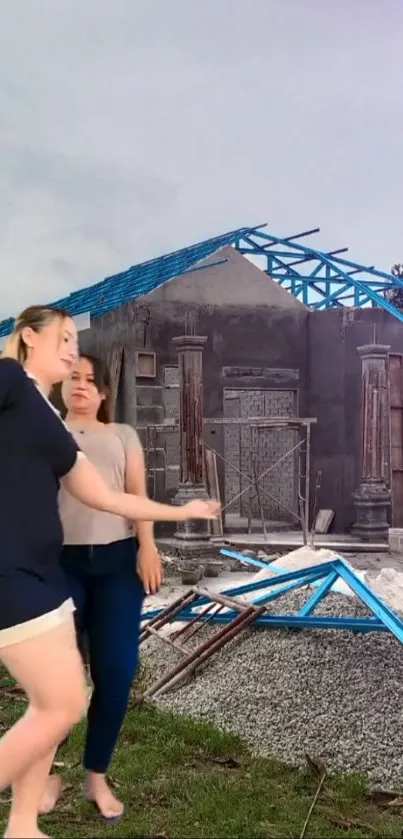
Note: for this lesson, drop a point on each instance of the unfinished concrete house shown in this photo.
(292, 384)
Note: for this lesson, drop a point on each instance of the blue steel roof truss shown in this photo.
(137, 281)
(323, 577)
(321, 280)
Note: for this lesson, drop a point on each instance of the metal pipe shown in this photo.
(266, 472)
(168, 613)
(198, 652)
(291, 238)
(259, 498)
(301, 498)
(199, 625)
(230, 602)
(311, 622)
(199, 616)
(307, 482)
(167, 640)
(247, 477)
(233, 629)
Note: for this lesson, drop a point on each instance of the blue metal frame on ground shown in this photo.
(383, 619)
(320, 279)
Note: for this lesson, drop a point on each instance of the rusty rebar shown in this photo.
(167, 640)
(230, 602)
(196, 620)
(168, 613)
(198, 653)
(217, 642)
(202, 622)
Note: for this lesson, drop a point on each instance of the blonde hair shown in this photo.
(34, 317)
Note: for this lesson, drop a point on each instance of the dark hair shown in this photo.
(103, 384)
(35, 317)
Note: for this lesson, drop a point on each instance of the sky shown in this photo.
(131, 128)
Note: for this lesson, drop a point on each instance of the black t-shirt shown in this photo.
(36, 450)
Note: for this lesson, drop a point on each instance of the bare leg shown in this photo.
(51, 794)
(53, 789)
(50, 671)
(27, 792)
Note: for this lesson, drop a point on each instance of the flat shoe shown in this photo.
(108, 819)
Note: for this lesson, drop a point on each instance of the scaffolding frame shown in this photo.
(302, 448)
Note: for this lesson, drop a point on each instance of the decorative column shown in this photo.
(190, 356)
(372, 499)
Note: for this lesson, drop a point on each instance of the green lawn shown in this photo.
(181, 779)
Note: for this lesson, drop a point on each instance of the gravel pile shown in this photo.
(331, 694)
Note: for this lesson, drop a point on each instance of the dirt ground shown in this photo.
(172, 587)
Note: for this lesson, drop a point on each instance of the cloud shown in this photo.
(129, 129)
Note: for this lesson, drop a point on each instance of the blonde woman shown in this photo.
(37, 634)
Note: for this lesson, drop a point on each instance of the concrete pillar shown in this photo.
(372, 499)
(192, 485)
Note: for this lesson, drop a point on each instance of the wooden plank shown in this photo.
(265, 422)
(262, 422)
(114, 361)
(396, 381)
(213, 488)
(396, 436)
(323, 521)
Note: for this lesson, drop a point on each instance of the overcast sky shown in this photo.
(129, 128)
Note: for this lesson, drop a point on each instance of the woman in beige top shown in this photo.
(109, 563)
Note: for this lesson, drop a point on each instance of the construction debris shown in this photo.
(194, 658)
(334, 694)
(324, 576)
(323, 521)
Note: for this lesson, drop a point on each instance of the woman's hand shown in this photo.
(85, 483)
(149, 567)
(199, 510)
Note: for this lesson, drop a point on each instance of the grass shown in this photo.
(181, 779)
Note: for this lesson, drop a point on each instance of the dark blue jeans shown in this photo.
(108, 596)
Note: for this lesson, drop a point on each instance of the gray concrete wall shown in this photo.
(334, 397)
(250, 322)
(257, 339)
(256, 347)
(233, 279)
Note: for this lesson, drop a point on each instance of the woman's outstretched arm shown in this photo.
(86, 484)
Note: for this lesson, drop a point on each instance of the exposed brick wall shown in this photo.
(171, 437)
(244, 445)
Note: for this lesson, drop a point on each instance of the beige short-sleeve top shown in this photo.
(107, 449)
